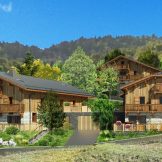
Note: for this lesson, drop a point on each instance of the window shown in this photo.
(142, 100)
(135, 72)
(122, 62)
(34, 117)
(160, 99)
(74, 103)
(10, 99)
(123, 73)
(141, 119)
(15, 119)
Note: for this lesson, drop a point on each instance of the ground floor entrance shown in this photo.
(82, 121)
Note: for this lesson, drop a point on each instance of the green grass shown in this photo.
(100, 153)
(57, 137)
(106, 135)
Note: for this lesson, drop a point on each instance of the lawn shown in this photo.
(58, 137)
(106, 135)
(100, 153)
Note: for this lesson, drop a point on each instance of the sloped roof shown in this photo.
(141, 80)
(31, 83)
(130, 59)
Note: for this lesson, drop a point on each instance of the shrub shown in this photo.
(12, 130)
(24, 142)
(5, 136)
(49, 137)
(67, 125)
(18, 139)
(43, 142)
(55, 142)
(59, 132)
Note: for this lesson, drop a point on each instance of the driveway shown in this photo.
(83, 137)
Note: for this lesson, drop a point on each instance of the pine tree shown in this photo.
(50, 112)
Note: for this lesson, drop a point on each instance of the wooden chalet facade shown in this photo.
(143, 102)
(129, 69)
(20, 96)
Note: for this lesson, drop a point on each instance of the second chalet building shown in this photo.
(130, 69)
(141, 91)
(143, 100)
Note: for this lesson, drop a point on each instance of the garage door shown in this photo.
(86, 123)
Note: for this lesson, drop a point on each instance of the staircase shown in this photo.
(38, 136)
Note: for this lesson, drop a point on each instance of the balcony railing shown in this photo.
(72, 109)
(135, 77)
(76, 109)
(123, 77)
(130, 77)
(137, 127)
(143, 108)
(122, 66)
(11, 108)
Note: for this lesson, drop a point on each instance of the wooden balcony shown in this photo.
(135, 77)
(72, 109)
(120, 67)
(76, 109)
(143, 108)
(137, 108)
(137, 127)
(130, 77)
(123, 78)
(156, 108)
(12, 108)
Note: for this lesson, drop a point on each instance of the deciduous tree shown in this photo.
(80, 71)
(150, 58)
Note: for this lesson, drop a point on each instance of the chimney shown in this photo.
(13, 72)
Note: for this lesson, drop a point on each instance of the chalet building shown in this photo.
(129, 69)
(20, 96)
(143, 100)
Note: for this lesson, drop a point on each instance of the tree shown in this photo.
(36, 67)
(150, 58)
(102, 112)
(27, 68)
(108, 81)
(50, 112)
(112, 54)
(46, 71)
(80, 71)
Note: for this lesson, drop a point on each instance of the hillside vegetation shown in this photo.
(97, 47)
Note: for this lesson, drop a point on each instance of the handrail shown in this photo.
(6, 108)
(143, 107)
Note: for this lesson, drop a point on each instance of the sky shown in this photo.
(47, 22)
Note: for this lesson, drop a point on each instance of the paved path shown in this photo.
(83, 138)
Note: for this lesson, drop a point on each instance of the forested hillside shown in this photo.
(96, 47)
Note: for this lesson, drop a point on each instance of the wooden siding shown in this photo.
(151, 90)
(29, 100)
(86, 123)
(137, 127)
(133, 70)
